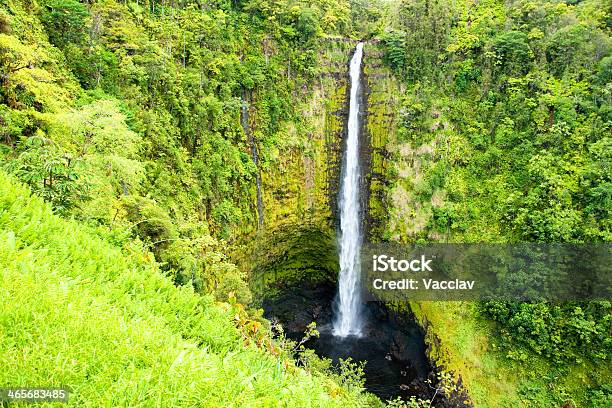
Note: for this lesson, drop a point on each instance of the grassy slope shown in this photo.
(460, 344)
(78, 311)
(463, 343)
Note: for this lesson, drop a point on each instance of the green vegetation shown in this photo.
(126, 118)
(81, 311)
(504, 137)
(128, 115)
(293, 255)
(137, 123)
(514, 110)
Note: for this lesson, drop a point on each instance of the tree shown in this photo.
(57, 176)
(66, 22)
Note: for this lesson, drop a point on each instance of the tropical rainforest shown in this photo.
(166, 165)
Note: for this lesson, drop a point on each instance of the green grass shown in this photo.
(77, 311)
(461, 345)
(464, 343)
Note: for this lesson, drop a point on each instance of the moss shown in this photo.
(301, 182)
(291, 254)
(299, 187)
(383, 92)
(459, 344)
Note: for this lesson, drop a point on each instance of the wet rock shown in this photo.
(393, 347)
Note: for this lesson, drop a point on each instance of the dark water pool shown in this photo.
(392, 346)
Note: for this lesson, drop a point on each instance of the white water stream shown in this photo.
(348, 317)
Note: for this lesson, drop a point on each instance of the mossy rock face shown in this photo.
(382, 93)
(300, 189)
(300, 186)
(290, 255)
(300, 179)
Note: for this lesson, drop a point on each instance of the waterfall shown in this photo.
(348, 317)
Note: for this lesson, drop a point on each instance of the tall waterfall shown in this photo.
(348, 317)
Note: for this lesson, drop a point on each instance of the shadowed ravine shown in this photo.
(393, 347)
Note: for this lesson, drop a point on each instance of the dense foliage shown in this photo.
(80, 311)
(508, 112)
(519, 95)
(129, 117)
(128, 114)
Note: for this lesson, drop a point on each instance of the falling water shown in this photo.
(348, 318)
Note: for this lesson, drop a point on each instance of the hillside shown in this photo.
(503, 136)
(80, 311)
